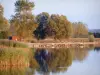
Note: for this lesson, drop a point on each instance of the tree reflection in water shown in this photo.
(54, 60)
(80, 54)
(97, 49)
(50, 60)
(41, 57)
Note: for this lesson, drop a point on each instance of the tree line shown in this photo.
(28, 26)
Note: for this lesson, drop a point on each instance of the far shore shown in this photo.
(63, 45)
(73, 42)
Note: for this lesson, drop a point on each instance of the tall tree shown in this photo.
(23, 20)
(44, 29)
(4, 24)
(1, 10)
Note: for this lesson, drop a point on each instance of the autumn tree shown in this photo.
(61, 25)
(80, 30)
(1, 10)
(4, 24)
(23, 20)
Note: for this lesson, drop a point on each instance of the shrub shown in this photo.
(91, 38)
(4, 35)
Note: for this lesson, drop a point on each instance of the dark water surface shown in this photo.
(61, 62)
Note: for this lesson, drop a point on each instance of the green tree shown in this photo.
(23, 20)
(44, 29)
(39, 19)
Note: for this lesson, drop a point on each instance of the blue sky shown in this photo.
(87, 11)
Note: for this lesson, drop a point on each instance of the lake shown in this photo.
(77, 61)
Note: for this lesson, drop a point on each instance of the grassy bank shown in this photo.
(10, 43)
(49, 40)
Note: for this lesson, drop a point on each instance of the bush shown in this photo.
(91, 38)
(3, 35)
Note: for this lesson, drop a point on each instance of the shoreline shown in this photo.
(62, 45)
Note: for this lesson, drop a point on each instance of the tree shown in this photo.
(80, 30)
(4, 24)
(1, 10)
(61, 25)
(44, 29)
(23, 20)
(56, 26)
(42, 18)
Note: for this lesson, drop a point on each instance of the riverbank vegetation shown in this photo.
(58, 60)
(9, 43)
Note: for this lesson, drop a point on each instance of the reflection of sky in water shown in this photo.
(90, 66)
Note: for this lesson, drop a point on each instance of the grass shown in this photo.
(10, 43)
(14, 53)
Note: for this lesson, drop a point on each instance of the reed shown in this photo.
(10, 43)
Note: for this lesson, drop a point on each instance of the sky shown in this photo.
(86, 11)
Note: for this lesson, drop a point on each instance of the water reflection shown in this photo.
(58, 60)
(97, 49)
(55, 61)
(12, 70)
(42, 56)
(80, 54)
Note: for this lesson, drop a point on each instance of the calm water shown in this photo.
(61, 62)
